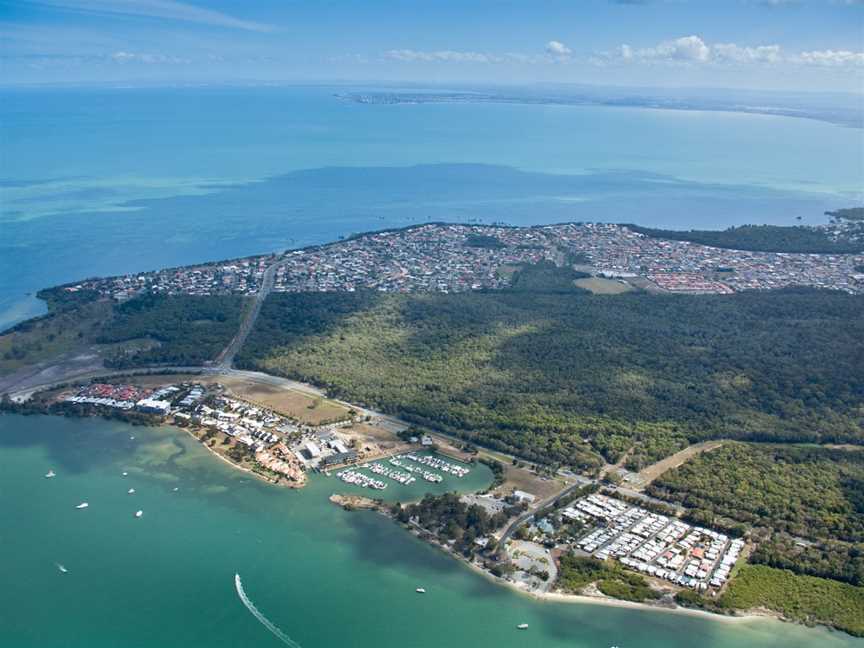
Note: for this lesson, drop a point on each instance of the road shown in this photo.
(57, 374)
(529, 514)
(225, 360)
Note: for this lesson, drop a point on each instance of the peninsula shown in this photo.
(625, 386)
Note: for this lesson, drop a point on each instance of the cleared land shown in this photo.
(600, 286)
(305, 408)
(652, 472)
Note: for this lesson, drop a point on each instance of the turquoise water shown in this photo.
(326, 577)
(112, 181)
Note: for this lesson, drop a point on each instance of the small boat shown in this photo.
(131, 438)
(522, 626)
(420, 590)
(131, 491)
(139, 513)
(61, 568)
(82, 505)
(176, 489)
(50, 474)
(125, 473)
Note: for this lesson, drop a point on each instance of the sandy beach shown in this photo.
(560, 597)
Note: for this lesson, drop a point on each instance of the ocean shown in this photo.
(323, 576)
(96, 182)
(108, 181)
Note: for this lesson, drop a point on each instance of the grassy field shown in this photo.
(800, 598)
(311, 410)
(600, 286)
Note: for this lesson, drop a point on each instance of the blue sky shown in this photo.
(766, 44)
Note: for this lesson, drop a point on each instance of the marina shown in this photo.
(359, 479)
(395, 475)
(404, 469)
(349, 558)
(425, 474)
(438, 464)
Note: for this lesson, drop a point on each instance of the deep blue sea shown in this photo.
(99, 182)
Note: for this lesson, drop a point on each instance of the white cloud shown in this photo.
(165, 9)
(557, 48)
(692, 50)
(830, 58)
(150, 59)
(441, 56)
(686, 48)
(738, 54)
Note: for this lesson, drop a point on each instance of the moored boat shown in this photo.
(50, 474)
(82, 505)
(522, 626)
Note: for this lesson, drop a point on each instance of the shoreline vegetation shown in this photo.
(766, 238)
(352, 503)
(750, 607)
(657, 375)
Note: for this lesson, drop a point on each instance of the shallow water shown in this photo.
(324, 576)
(99, 182)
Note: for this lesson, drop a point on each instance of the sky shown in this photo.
(799, 45)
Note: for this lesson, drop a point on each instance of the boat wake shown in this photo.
(267, 623)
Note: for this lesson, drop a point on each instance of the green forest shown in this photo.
(575, 572)
(562, 377)
(189, 330)
(452, 520)
(815, 494)
(147, 330)
(848, 214)
(799, 598)
(760, 238)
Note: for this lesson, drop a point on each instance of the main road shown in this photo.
(225, 360)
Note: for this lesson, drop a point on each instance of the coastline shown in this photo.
(562, 597)
(231, 463)
(354, 503)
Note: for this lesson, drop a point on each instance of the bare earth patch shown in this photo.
(305, 408)
(652, 472)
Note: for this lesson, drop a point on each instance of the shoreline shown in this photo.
(562, 597)
(585, 599)
(549, 597)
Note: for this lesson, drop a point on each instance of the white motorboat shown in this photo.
(420, 590)
(61, 568)
(131, 491)
(125, 473)
(139, 513)
(522, 626)
(50, 474)
(82, 505)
